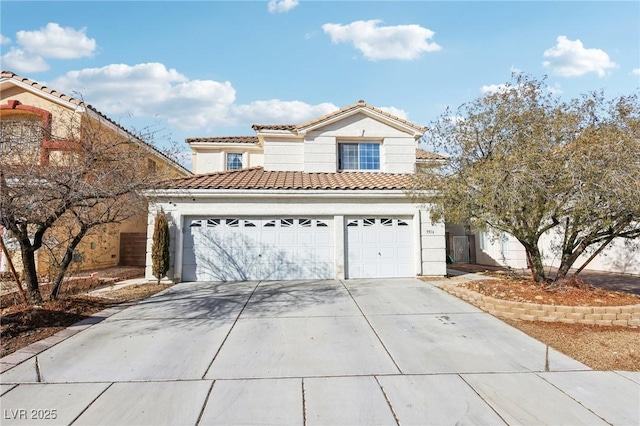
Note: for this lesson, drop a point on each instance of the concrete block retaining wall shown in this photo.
(625, 316)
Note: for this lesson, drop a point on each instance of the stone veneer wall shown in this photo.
(625, 316)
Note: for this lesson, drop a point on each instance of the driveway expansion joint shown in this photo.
(235, 321)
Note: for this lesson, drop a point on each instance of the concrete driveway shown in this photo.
(395, 351)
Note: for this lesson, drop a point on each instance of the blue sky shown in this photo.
(214, 68)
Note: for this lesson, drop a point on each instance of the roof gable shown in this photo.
(361, 107)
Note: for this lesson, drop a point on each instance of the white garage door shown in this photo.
(379, 248)
(240, 249)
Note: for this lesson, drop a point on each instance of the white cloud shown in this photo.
(4, 40)
(556, 89)
(400, 113)
(488, 89)
(152, 90)
(571, 59)
(275, 111)
(51, 41)
(377, 43)
(281, 6)
(21, 61)
(493, 88)
(635, 71)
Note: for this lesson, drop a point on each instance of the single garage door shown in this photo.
(240, 249)
(379, 248)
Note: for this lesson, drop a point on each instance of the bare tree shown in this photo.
(524, 162)
(93, 177)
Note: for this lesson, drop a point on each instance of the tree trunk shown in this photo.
(569, 257)
(16, 278)
(535, 263)
(30, 275)
(593, 256)
(66, 261)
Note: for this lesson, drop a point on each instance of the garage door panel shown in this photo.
(321, 253)
(404, 253)
(269, 238)
(403, 238)
(369, 254)
(324, 239)
(386, 236)
(388, 253)
(305, 239)
(368, 237)
(379, 247)
(286, 239)
(225, 249)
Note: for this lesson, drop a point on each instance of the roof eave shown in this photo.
(281, 193)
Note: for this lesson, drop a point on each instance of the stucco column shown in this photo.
(148, 270)
(339, 244)
(433, 251)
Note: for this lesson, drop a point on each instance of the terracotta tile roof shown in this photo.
(421, 154)
(359, 104)
(258, 127)
(258, 178)
(225, 139)
(45, 89)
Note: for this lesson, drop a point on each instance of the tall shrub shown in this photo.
(160, 246)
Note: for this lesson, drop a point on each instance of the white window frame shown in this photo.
(358, 144)
(235, 154)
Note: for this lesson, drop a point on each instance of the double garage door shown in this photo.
(239, 249)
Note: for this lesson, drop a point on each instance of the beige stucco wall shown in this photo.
(101, 248)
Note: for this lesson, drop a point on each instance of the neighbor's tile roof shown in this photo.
(225, 139)
(421, 154)
(347, 109)
(258, 127)
(258, 178)
(45, 89)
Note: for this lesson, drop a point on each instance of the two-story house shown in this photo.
(324, 199)
(53, 114)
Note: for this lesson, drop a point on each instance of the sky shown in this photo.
(214, 68)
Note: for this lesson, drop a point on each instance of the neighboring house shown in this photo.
(502, 249)
(54, 113)
(324, 199)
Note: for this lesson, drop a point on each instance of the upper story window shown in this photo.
(234, 161)
(21, 134)
(359, 156)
